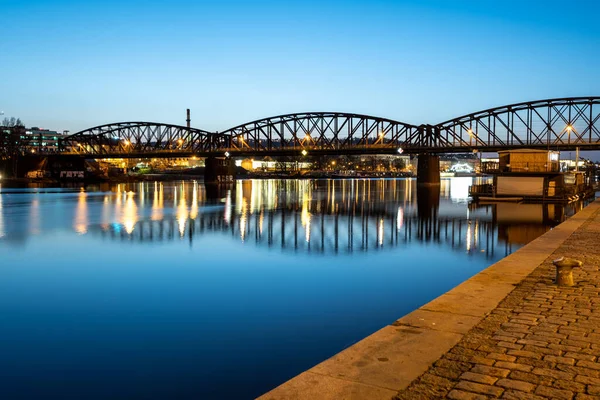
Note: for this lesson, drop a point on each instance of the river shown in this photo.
(181, 291)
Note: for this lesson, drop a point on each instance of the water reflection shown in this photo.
(145, 286)
(1, 216)
(323, 216)
(81, 214)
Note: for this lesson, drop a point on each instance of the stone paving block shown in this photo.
(516, 395)
(580, 356)
(479, 388)
(479, 378)
(588, 380)
(588, 364)
(593, 390)
(531, 378)
(462, 395)
(560, 360)
(573, 386)
(554, 393)
(492, 371)
(513, 366)
(501, 357)
(516, 385)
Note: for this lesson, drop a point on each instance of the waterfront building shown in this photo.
(40, 140)
(269, 164)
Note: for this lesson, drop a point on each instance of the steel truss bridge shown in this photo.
(556, 124)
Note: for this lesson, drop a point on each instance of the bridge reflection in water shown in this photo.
(321, 217)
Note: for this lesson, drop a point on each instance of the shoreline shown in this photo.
(392, 358)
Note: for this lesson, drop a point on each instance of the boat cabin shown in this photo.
(528, 174)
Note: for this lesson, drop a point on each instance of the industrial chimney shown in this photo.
(188, 118)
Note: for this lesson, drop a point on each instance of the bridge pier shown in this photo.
(428, 169)
(219, 170)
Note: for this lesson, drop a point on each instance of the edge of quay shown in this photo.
(387, 361)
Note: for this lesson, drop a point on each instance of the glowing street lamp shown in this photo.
(304, 152)
(569, 128)
(227, 154)
(400, 150)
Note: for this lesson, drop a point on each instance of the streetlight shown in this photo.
(304, 152)
(400, 151)
(570, 128)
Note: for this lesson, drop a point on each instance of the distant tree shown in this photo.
(12, 122)
(12, 146)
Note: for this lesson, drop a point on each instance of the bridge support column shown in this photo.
(428, 169)
(219, 170)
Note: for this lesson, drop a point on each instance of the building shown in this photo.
(40, 140)
(268, 164)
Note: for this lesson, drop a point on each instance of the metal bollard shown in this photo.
(564, 270)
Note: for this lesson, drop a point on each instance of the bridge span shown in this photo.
(557, 124)
(552, 124)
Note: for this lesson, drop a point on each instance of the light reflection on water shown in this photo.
(174, 290)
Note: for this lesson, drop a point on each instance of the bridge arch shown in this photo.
(558, 123)
(320, 130)
(139, 137)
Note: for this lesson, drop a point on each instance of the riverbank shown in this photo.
(507, 331)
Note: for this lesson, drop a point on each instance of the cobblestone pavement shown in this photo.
(541, 342)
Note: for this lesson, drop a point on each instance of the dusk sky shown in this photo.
(73, 65)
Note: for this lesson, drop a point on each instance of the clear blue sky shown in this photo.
(74, 64)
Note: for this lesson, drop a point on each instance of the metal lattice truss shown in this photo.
(320, 131)
(140, 138)
(557, 124)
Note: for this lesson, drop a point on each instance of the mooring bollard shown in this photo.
(564, 270)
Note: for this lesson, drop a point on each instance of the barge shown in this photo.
(532, 176)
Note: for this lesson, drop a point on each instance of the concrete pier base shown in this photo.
(428, 169)
(219, 170)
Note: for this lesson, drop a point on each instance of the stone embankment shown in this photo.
(541, 342)
(508, 332)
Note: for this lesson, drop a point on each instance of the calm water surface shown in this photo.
(174, 290)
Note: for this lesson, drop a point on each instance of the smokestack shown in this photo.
(188, 118)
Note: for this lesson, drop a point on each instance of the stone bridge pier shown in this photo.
(428, 169)
(219, 170)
